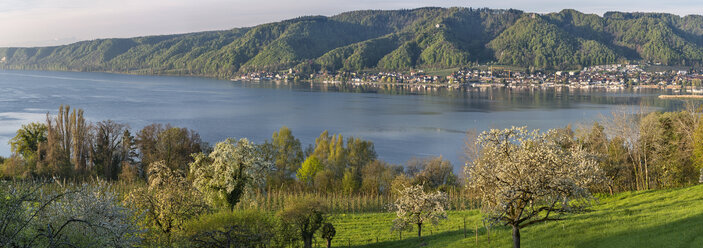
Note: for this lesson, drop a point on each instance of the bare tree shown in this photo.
(625, 124)
(106, 150)
(173, 145)
(68, 143)
(690, 121)
(471, 149)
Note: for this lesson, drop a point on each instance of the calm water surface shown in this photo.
(403, 123)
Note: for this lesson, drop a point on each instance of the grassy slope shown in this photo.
(665, 218)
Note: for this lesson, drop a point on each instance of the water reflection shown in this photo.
(494, 98)
(402, 121)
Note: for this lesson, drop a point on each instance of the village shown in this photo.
(616, 76)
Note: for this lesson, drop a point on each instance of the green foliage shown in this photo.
(648, 150)
(405, 57)
(388, 40)
(359, 56)
(66, 146)
(26, 142)
(611, 156)
(25, 146)
(247, 228)
(377, 177)
(534, 41)
(327, 232)
(351, 181)
(286, 154)
(167, 203)
(665, 141)
(337, 157)
(305, 216)
(698, 147)
(309, 169)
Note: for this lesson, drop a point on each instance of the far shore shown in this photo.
(481, 84)
(680, 96)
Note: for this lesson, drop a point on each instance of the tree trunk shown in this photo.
(329, 243)
(419, 230)
(516, 237)
(307, 241)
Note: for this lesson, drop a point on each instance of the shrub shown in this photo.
(247, 228)
(306, 217)
(327, 232)
(168, 201)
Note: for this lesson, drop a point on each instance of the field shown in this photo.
(664, 218)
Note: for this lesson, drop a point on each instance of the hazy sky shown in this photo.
(52, 22)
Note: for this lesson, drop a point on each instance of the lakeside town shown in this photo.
(616, 76)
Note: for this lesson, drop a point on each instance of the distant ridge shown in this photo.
(391, 41)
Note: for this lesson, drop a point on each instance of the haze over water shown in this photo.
(402, 123)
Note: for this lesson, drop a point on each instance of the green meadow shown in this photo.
(661, 218)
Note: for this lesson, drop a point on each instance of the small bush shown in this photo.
(247, 228)
(305, 216)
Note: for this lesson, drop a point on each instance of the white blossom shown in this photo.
(415, 207)
(525, 177)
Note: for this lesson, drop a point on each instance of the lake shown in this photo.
(402, 122)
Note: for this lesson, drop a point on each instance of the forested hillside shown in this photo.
(390, 41)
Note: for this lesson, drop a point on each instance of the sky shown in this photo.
(55, 22)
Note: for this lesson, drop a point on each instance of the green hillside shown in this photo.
(539, 42)
(664, 218)
(428, 38)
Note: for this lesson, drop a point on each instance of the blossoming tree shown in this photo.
(526, 177)
(224, 175)
(414, 206)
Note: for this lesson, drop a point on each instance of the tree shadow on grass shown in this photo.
(442, 239)
(427, 240)
(686, 232)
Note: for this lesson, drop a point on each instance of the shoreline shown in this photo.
(452, 86)
(699, 97)
(469, 85)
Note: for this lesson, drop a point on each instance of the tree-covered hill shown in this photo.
(389, 40)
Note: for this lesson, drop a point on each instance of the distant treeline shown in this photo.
(67, 146)
(390, 41)
(636, 151)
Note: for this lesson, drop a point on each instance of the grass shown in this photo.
(663, 218)
(441, 72)
(339, 202)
